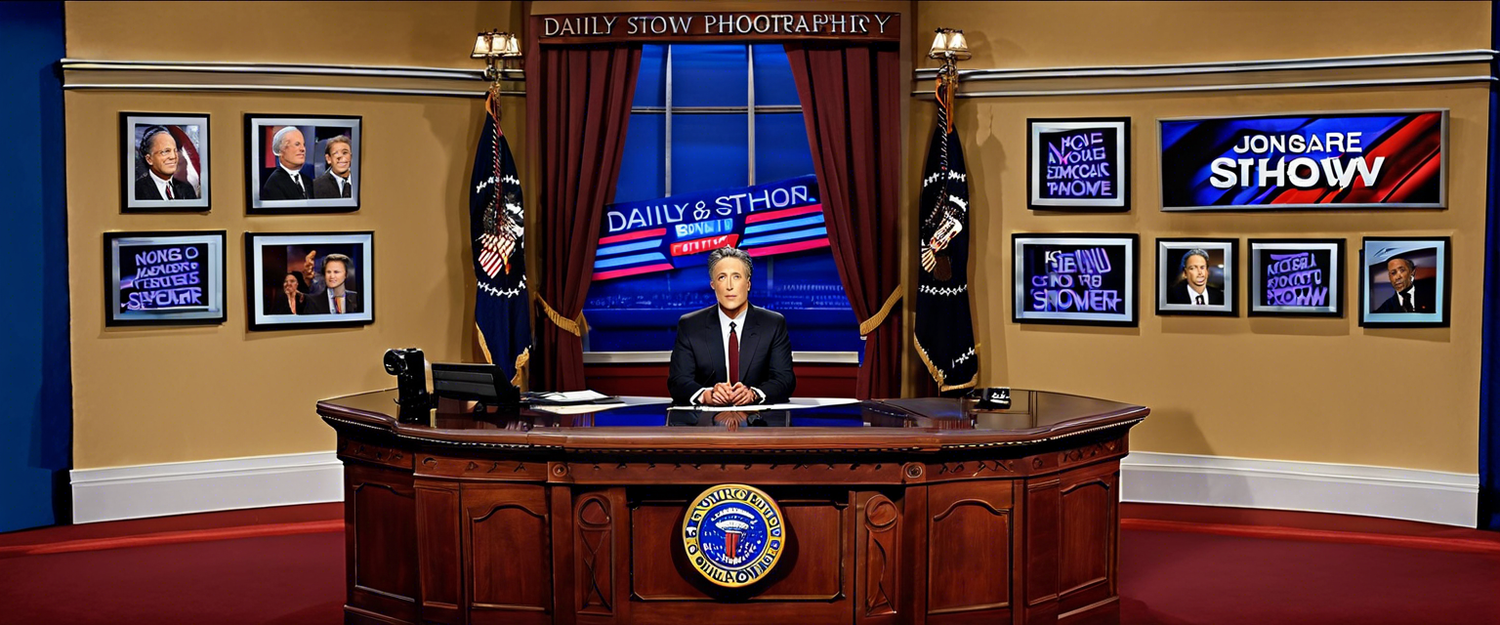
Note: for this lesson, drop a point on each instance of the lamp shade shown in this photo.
(939, 45)
(481, 46)
(958, 46)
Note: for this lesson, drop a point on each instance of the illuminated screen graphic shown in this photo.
(1304, 161)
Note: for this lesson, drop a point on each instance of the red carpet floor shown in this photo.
(1178, 566)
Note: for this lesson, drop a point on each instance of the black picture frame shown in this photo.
(1223, 276)
(271, 257)
(164, 278)
(1102, 147)
(1429, 258)
(270, 192)
(1095, 272)
(188, 184)
(1296, 277)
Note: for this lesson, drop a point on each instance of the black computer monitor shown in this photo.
(483, 383)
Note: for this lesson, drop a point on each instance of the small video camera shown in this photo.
(410, 369)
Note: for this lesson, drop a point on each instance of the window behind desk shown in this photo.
(697, 125)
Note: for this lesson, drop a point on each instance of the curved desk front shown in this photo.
(897, 511)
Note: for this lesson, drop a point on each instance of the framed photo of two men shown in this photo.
(1197, 277)
(1404, 282)
(310, 279)
(164, 166)
(302, 163)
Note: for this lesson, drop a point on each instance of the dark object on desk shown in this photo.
(482, 383)
(409, 366)
(990, 398)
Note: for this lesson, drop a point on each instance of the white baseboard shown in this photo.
(1410, 494)
(116, 493)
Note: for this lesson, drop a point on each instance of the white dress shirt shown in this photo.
(161, 185)
(739, 333)
(1194, 295)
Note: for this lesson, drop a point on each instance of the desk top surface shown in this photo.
(644, 424)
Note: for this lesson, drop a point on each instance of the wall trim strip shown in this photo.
(1384, 492)
(478, 93)
(117, 493)
(388, 71)
(1220, 67)
(1318, 84)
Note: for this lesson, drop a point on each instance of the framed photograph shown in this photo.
(163, 278)
(1324, 161)
(1074, 278)
(297, 280)
(1197, 277)
(164, 165)
(1297, 277)
(1404, 282)
(1078, 163)
(301, 164)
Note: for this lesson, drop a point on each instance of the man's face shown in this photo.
(1400, 274)
(289, 284)
(162, 157)
(293, 154)
(333, 274)
(730, 280)
(338, 158)
(1196, 272)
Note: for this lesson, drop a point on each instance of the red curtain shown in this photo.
(851, 102)
(578, 107)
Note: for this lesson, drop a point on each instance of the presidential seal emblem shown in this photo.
(733, 534)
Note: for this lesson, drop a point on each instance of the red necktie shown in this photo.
(338, 304)
(734, 355)
(169, 190)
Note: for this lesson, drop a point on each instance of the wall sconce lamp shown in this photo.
(496, 47)
(950, 47)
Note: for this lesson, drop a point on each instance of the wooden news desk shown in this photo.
(896, 511)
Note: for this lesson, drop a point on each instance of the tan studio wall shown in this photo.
(1296, 389)
(159, 394)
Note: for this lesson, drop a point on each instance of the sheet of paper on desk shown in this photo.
(573, 396)
(576, 408)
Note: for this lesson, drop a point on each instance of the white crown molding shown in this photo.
(1385, 492)
(1217, 67)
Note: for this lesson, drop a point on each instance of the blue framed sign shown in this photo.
(1305, 161)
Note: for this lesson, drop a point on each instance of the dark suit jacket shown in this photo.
(145, 189)
(1177, 294)
(279, 186)
(765, 355)
(325, 186)
(1426, 298)
(279, 306)
(318, 304)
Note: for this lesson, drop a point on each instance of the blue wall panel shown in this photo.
(34, 377)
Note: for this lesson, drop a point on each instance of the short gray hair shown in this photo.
(150, 136)
(730, 252)
(279, 139)
(1191, 253)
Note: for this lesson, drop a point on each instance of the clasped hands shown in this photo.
(726, 394)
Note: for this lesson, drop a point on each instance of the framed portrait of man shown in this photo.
(302, 164)
(310, 279)
(164, 163)
(1197, 277)
(1404, 282)
(1086, 279)
(164, 278)
(1302, 277)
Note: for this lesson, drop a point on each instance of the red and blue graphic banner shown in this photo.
(1322, 161)
(651, 236)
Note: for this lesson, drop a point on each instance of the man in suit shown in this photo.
(1412, 295)
(159, 150)
(286, 182)
(338, 269)
(1193, 287)
(731, 353)
(335, 181)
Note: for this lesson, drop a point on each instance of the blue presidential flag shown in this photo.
(496, 222)
(944, 328)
